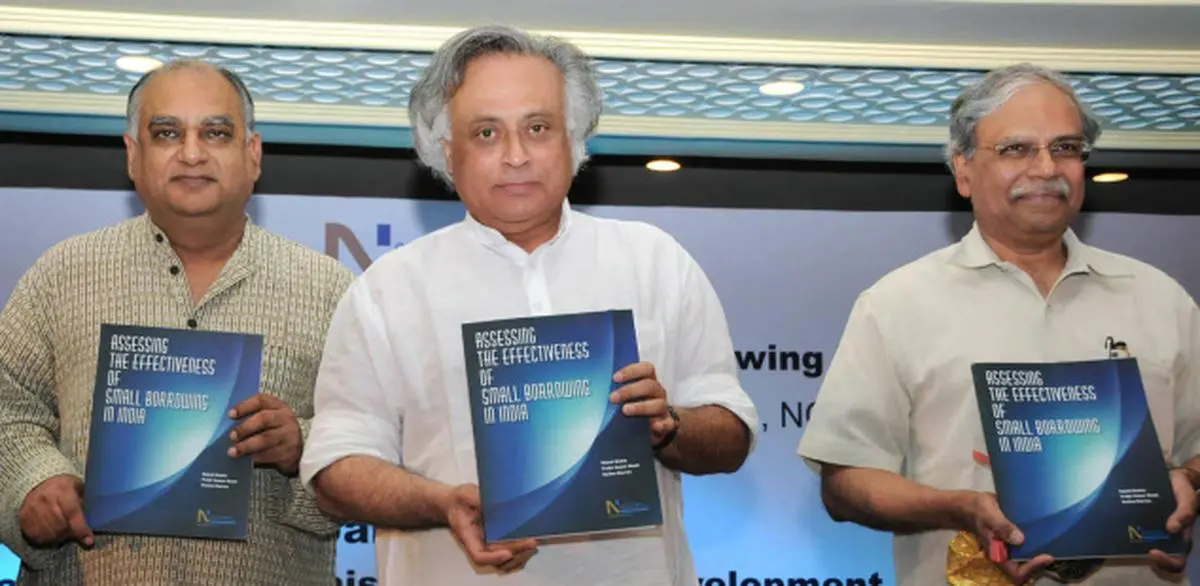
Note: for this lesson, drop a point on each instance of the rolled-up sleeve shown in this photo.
(861, 415)
(703, 350)
(356, 410)
(1187, 384)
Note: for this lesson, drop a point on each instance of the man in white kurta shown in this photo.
(392, 442)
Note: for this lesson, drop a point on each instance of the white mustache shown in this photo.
(1057, 185)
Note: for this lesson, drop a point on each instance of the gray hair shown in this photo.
(986, 96)
(134, 104)
(428, 107)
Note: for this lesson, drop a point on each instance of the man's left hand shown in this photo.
(270, 433)
(1179, 522)
(644, 396)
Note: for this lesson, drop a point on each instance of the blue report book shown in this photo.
(554, 456)
(1075, 458)
(157, 461)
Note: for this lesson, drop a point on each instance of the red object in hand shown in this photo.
(999, 551)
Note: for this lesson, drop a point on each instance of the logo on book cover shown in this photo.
(616, 508)
(205, 518)
(1141, 535)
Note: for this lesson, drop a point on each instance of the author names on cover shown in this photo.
(617, 467)
(217, 480)
(1137, 496)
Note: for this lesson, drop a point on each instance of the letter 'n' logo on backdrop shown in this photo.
(337, 234)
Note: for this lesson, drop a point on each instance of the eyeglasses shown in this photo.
(1068, 150)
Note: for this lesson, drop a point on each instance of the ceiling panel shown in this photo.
(1100, 23)
(333, 89)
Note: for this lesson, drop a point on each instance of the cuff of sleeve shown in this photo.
(816, 452)
(42, 465)
(300, 510)
(722, 391)
(338, 435)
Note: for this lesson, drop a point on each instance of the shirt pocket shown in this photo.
(651, 341)
(1158, 381)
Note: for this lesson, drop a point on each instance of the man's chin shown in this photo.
(1046, 224)
(528, 189)
(195, 210)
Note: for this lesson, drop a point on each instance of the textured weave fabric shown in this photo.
(49, 332)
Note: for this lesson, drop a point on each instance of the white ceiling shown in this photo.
(1042, 23)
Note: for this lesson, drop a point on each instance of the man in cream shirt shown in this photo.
(896, 421)
(503, 116)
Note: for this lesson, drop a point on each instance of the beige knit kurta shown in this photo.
(129, 274)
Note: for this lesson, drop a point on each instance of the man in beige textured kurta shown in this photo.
(193, 261)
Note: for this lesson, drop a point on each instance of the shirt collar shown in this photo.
(973, 252)
(245, 259)
(492, 238)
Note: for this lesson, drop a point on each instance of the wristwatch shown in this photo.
(670, 437)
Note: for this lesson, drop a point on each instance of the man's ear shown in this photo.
(448, 153)
(255, 146)
(962, 175)
(131, 155)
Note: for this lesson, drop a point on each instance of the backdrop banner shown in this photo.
(787, 280)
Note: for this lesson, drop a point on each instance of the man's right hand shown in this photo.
(53, 513)
(464, 515)
(984, 518)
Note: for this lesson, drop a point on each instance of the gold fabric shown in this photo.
(967, 564)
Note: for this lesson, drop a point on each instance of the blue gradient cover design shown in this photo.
(1075, 458)
(10, 564)
(157, 461)
(554, 455)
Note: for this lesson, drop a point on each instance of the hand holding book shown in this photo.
(464, 515)
(1180, 521)
(53, 513)
(989, 525)
(270, 432)
(643, 396)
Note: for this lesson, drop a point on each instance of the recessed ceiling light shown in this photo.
(137, 63)
(781, 88)
(1110, 177)
(663, 165)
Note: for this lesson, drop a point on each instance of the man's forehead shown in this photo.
(504, 85)
(497, 68)
(1034, 110)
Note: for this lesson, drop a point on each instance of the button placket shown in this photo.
(535, 288)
